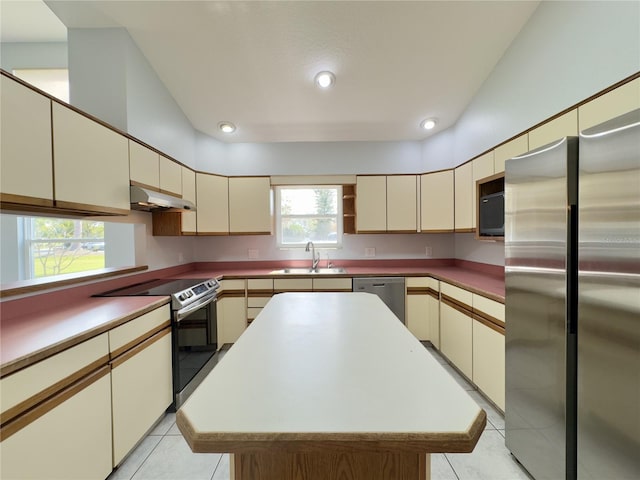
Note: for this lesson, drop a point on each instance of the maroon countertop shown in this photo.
(40, 326)
(27, 339)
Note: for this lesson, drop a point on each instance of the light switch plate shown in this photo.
(369, 252)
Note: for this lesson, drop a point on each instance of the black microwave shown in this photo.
(491, 215)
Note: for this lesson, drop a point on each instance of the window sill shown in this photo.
(35, 285)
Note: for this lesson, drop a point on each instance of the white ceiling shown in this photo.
(253, 63)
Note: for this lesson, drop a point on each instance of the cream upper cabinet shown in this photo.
(250, 205)
(563, 126)
(212, 193)
(91, 164)
(402, 203)
(144, 168)
(170, 176)
(510, 149)
(436, 202)
(483, 167)
(25, 150)
(371, 204)
(189, 193)
(464, 197)
(610, 105)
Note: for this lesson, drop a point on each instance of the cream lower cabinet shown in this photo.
(332, 285)
(417, 307)
(141, 378)
(70, 441)
(433, 312)
(57, 416)
(456, 327)
(281, 285)
(259, 292)
(488, 348)
(231, 311)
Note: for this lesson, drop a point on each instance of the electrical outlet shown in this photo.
(428, 251)
(253, 253)
(369, 252)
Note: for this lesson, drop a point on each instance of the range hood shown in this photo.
(148, 200)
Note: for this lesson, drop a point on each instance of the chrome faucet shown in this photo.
(314, 260)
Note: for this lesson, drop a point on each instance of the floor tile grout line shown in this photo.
(217, 465)
(146, 457)
(452, 469)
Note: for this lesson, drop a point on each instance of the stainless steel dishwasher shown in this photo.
(389, 289)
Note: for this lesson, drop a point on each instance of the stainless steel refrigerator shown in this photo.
(572, 273)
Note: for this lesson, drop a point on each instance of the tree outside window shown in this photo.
(306, 214)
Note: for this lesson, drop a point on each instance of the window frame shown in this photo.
(318, 244)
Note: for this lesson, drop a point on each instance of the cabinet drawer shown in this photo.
(293, 284)
(231, 285)
(31, 385)
(417, 282)
(332, 284)
(260, 284)
(457, 293)
(483, 305)
(127, 335)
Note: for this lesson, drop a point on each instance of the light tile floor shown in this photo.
(164, 454)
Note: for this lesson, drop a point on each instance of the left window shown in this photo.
(55, 246)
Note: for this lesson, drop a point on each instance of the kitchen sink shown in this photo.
(309, 271)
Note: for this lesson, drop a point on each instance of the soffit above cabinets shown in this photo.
(253, 63)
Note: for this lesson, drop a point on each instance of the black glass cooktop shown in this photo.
(159, 287)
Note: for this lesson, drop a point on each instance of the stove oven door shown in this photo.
(194, 346)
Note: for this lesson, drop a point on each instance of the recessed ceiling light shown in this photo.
(325, 79)
(428, 124)
(227, 127)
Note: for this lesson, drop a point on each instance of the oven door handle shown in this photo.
(184, 312)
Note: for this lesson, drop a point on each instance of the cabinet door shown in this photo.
(231, 311)
(144, 167)
(488, 362)
(436, 197)
(371, 204)
(510, 149)
(25, 150)
(170, 176)
(562, 126)
(212, 193)
(482, 168)
(292, 285)
(417, 307)
(189, 193)
(402, 203)
(610, 105)
(141, 390)
(455, 338)
(434, 312)
(91, 164)
(71, 440)
(250, 205)
(464, 192)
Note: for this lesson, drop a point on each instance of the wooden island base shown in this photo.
(329, 466)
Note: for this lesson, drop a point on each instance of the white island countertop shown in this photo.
(329, 372)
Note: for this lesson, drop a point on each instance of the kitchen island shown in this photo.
(329, 385)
